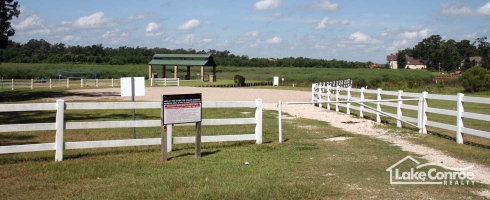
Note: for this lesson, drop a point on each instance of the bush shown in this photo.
(239, 80)
(475, 79)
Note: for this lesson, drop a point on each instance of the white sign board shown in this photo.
(275, 81)
(181, 108)
(139, 86)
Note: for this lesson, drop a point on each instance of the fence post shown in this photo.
(67, 83)
(399, 109)
(60, 126)
(459, 118)
(164, 81)
(361, 107)
(169, 137)
(337, 89)
(151, 82)
(50, 84)
(81, 83)
(32, 83)
(112, 82)
(96, 82)
(328, 95)
(258, 121)
(12, 84)
(178, 82)
(424, 112)
(320, 93)
(348, 99)
(279, 117)
(312, 92)
(419, 114)
(378, 106)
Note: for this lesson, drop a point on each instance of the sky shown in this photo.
(352, 30)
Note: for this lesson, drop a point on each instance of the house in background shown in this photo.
(375, 65)
(412, 63)
(392, 61)
(475, 59)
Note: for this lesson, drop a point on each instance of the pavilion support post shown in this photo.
(188, 76)
(175, 72)
(149, 72)
(214, 73)
(164, 71)
(202, 73)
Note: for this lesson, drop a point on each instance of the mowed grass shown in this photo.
(303, 167)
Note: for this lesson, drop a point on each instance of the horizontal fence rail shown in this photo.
(165, 81)
(52, 83)
(60, 125)
(325, 95)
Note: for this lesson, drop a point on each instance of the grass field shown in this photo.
(303, 167)
(298, 76)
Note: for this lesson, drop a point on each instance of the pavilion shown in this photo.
(189, 60)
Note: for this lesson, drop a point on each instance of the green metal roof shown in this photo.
(183, 60)
(182, 56)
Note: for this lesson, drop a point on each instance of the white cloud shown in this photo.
(274, 40)
(326, 5)
(247, 37)
(190, 25)
(192, 39)
(454, 8)
(484, 10)
(71, 38)
(424, 33)
(361, 38)
(29, 23)
(325, 21)
(152, 26)
(96, 20)
(267, 4)
(115, 36)
(321, 45)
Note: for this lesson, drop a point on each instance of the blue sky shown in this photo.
(353, 30)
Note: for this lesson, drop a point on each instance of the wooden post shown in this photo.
(378, 106)
(312, 91)
(164, 137)
(164, 71)
(361, 107)
(32, 83)
(424, 112)
(175, 71)
(202, 73)
(328, 95)
(258, 121)
(459, 118)
(188, 76)
(214, 74)
(198, 139)
(60, 126)
(279, 116)
(50, 84)
(150, 71)
(348, 99)
(399, 109)
(337, 90)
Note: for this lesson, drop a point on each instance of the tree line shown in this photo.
(41, 51)
(450, 55)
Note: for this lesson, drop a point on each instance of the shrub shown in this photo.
(475, 79)
(239, 80)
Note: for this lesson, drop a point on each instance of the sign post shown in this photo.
(180, 109)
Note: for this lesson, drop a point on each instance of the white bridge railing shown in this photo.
(51, 83)
(60, 125)
(165, 81)
(330, 96)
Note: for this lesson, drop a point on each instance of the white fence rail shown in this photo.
(165, 81)
(60, 125)
(51, 83)
(324, 94)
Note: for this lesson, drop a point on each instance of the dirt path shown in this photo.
(270, 99)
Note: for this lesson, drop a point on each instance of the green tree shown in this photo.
(8, 10)
(401, 59)
(484, 51)
(475, 79)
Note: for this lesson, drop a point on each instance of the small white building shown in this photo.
(412, 63)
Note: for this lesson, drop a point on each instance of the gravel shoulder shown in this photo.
(270, 99)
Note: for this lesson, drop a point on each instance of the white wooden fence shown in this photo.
(165, 81)
(31, 83)
(60, 125)
(324, 94)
